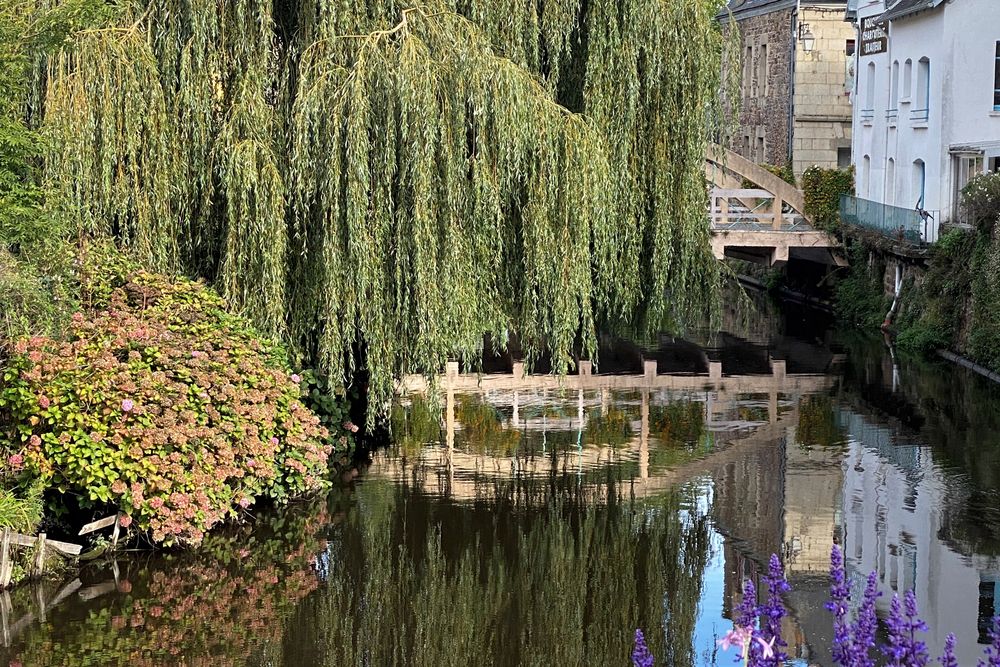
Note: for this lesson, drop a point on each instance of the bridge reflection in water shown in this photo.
(737, 448)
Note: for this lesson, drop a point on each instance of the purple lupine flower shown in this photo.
(866, 624)
(948, 658)
(772, 611)
(993, 650)
(641, 657)
(903, 649)
(840, 599)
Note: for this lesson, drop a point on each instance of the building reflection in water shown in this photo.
(795, 462)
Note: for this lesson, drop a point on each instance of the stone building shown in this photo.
(795, 105)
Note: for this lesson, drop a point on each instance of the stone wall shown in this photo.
(822, 105)
(763, 128)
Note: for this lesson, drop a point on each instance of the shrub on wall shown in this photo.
(163, 405)
(981, 200)
(822, 189)
(784, 172)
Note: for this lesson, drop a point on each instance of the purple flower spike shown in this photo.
(772, 611)
(641, 657)
(904, 649)
(993, 650)
(866, 624)
(840, 599)
(948, 658)
(746, 613)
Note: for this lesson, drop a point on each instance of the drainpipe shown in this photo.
(895, 299)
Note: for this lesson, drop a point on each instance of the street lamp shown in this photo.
(806, 37)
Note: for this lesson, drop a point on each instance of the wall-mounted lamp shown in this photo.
(806, 37)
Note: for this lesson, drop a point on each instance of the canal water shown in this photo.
(533, 521)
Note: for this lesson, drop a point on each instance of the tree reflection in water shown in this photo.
(527, 575)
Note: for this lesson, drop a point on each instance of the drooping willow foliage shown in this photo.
(389, 180)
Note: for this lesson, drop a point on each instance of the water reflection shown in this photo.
(537, 521)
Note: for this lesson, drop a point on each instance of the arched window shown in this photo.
(922, 99)
(870, 97)
(894, 88)
(907, 78)
(890, 183)
(866, 175)
(917, 187)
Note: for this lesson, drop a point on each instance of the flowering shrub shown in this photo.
(981, 200)
(163, 405)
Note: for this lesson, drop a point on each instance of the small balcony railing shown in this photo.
(892, 115)
(904, 225)
(920, 115)
(867, 115)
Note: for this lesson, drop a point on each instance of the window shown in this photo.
(868, 112)
(849, 48)
(996, 79)
(964, 167)
(843, 157)
(893, 112)
(761, 148)
(922, 99)
(907, 79)
(919, 182)
(866, 169)
(890, 182)
(748, 72)
(762, 71)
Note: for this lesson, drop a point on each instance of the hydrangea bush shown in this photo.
(163, 404)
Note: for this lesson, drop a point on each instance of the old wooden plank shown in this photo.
(97, 525)
(62, 548)
(6, 565)
(38, 568)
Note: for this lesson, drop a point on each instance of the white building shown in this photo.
(926, 104)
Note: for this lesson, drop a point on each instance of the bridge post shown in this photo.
(450, 420)
(644, 437)
(776, 207)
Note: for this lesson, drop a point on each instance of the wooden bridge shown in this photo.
(763, 224)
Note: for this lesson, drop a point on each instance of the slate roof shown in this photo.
(902, 8)
(746, 8)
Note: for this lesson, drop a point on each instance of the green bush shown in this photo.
(784, 172)
(981, 200)
(822, 189)
(164, 406)
(860, 298)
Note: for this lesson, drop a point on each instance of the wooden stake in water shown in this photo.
(39, 567)
(6, 567)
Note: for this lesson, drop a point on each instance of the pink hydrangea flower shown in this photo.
(15, 461)
(128, 405)
(295, 378)
(44, 401)
(125, 521)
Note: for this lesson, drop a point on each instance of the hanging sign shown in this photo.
(874, 36)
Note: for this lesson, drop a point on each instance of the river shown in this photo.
(538, 522)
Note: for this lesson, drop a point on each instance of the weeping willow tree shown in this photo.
(389, 180)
